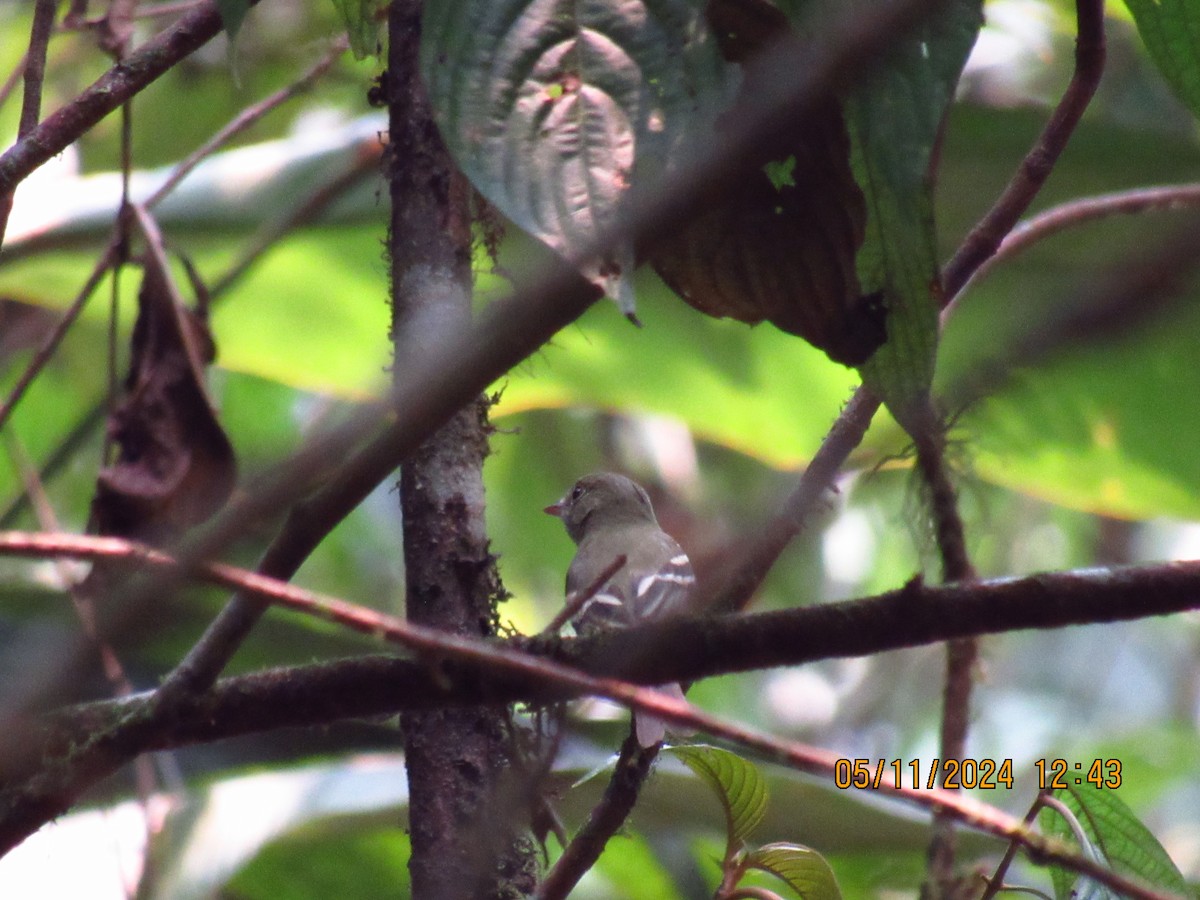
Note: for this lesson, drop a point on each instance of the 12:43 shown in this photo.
(1058, 774)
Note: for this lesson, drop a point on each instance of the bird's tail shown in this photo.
(652, 730)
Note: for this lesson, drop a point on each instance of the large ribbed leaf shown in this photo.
(554, 107)
(778, 241)
(894, 118)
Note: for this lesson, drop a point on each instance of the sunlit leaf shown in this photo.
(737, 783)
(804, 870)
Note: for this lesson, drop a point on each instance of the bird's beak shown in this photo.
(556, 509)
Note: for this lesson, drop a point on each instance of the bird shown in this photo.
(609, 516)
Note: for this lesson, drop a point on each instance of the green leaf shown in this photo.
(1112, 834)
(737, 782)
(363, 20)
(804, 870)
(1085, 430)
(552, 109)
(233, 13)
(894, 119)
(742, 383)
(1169, 29)
(298, 335)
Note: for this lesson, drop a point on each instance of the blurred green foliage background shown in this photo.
(1084, 455)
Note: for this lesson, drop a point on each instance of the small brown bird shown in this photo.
(609, 516)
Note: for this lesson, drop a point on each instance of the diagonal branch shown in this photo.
(916, 615)
(108, 93)
(1039, 162)
(1163, 198)
(33, 67)
(1090, 589)
(620, 795)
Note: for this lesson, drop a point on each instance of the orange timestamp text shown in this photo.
(985, 774)
(972, 774)
(1058, 774)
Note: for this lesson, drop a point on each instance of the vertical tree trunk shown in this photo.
(462, 845)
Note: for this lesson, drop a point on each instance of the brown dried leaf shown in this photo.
(175, 467)
(778, 242)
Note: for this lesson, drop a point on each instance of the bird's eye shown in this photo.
(577, 492)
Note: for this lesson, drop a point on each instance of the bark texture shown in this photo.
(464, 842)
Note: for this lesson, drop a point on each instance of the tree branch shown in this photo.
(360, 686)
(1078, 212)
(34, 71)
(961, 653)
(620, 795)
(108, 93)
(986, 236)
(914, 615)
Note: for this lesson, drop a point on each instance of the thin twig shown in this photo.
(1038, 163)
(34, 71)
(35, 66)
(734, 587)
(996, 883)
(84, 607)
(961, 654)
(108, 93)
(575, 601)
(246, 118)
(609, 814)
(61, 456)
(1083, 210)
(13, 79)
(121, 230)
(55, 337)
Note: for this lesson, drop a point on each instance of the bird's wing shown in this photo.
(664, 592)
